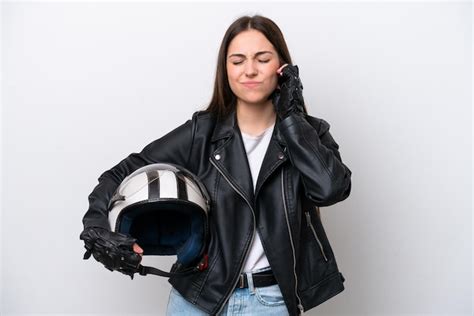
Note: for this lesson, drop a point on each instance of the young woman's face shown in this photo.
(252, 58)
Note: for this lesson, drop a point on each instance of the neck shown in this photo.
(254, 118)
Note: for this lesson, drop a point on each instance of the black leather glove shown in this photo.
(289, 97)
(113, 250)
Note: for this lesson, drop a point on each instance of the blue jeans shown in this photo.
(252, 300)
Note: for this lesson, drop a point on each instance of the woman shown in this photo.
(268, 166)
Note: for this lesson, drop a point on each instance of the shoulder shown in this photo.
(190, 125)
(203, 123)
(203, 118)
(320, 124)
(201, 115)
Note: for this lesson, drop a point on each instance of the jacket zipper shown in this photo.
(308, 219)
(300, 305)
(253, 233)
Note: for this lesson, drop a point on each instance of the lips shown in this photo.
(251, 84)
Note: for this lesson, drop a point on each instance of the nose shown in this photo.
(250, 69)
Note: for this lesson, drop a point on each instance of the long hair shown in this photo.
(223, 99)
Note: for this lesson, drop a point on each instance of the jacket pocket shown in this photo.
(315, 235)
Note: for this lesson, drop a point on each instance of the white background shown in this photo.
(85, 84)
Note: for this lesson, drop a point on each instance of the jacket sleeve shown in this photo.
(313, 151)
(174, 147)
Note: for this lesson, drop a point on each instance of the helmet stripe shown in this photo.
(153, 184)
(182, 186)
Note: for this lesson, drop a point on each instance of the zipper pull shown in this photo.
(300, 307)
(308, 219)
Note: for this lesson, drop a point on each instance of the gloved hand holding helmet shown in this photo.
(163, 208)
(113, 250)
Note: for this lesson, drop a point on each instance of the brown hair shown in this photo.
(223, 99)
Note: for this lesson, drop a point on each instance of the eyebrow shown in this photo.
(256, 54)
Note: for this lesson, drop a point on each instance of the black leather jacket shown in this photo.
(301, 171)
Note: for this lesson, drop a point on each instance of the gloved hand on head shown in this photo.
(288, 96)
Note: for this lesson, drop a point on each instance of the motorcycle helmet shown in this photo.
(166, 208)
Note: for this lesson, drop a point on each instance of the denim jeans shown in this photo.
(252, 300)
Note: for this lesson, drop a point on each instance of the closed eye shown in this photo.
(262, 61)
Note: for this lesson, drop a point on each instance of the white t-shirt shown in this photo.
(256, 147)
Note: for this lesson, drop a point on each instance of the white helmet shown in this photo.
(166, 208)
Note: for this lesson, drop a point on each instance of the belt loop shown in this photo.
(241, 280)
(250, 282)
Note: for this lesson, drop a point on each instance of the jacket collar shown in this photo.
(224, 126)
(227, 126)
(231, 159)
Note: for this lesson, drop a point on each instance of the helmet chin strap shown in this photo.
(203, 264)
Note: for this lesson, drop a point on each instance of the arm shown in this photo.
(326, 180)
(174, 147)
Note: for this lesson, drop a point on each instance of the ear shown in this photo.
(280, 69)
